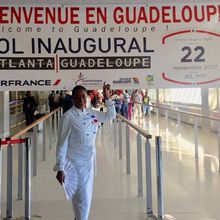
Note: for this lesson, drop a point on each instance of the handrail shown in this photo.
(148, 173)
(23, 131)
(9, 203)
(135, 127)
(195, 125)
(47, 127)
(187, 113)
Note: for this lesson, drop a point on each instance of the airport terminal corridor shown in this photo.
(190, 184)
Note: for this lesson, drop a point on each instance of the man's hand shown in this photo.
(107, 91)
(60, 177)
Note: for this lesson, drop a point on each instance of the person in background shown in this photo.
(96, 99)
(91, 97)
(88, 100)
(50, 101)
(116, 98)
(67, 101)
(102, 104)
(137, 100)
(130, 106)
(56, 100)
(146, 101)
(126, 101)
(121, 98)
(76, 144)
(29, 107)
(61, 97)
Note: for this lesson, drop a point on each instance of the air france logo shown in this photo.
(43, 82)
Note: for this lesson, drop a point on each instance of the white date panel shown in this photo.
(190, 57)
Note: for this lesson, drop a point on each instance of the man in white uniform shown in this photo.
(76, 143)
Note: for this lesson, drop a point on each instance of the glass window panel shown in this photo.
(184, 95)
(188, 93)
(197, 98)
(152, 94)
(191, 95)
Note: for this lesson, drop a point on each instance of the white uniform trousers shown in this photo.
(82, 199)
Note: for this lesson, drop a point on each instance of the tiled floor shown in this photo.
(191, 186)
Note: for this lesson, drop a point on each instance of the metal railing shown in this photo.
(9, 206)
(31, 145)
(141, 133)
(167, 112)
(196, 118)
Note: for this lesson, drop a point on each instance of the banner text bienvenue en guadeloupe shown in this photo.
(157, 45)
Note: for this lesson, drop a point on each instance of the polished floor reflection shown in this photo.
(191, 185)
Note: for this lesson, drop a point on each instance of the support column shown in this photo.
(157, 97)
(205, 107)
(4, 114)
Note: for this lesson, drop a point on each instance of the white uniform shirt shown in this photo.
(76, 137)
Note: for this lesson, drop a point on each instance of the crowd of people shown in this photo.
(130, 103)
(127, 103)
